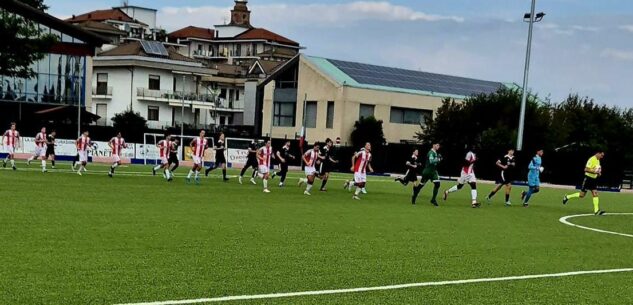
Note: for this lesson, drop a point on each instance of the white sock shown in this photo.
(197, 173)
(453, 189)
(81, 168)
(31, 158)
(115, 165)
(168, 173)
(157, 167)
(309, 188)
(12, 162)
(473, 194)
(364, 190)
(304, 180)
(190, 173)
(44, 164)
(265, 184)
(357, 191)
(350, 184)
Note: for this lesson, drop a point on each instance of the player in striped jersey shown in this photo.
(11, 141)
(198, 147)
(264, 156)
(164, 148)
(467, 176)
(40, 149)
(361, 163)
(310, 158)
(83, 144)
(116, 145)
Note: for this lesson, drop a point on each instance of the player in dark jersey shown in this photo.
(413, 168)
(327, 162)
(283, 156)
(50, 147)
(507, 167)
(173, 155)
(251, 162)
(220, 158)
(429, 173)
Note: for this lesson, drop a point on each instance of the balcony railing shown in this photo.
(102, 91)
(189, 97)
(207, 54)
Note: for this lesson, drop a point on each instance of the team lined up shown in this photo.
(318, 163)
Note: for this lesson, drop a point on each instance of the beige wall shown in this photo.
(347, 102)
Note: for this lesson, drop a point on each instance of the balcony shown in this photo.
(207, 54)
(102, 92)
(176, 98)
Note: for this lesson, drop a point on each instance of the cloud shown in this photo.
(317, 14)
(624, 55)
(627, 27)
(567, 29)
(583, 28)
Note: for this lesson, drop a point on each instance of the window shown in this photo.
(102, 111)
(284, 114)
(102, 84)
(154, 82)
(410, 116)
(223, 93)
(329, 123)
(366, 111)
(152, 113)
(237, 94)
(311, 114)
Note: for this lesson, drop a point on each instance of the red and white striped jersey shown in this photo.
(83, 143)
(468, 168)
(265, 154)
(40, 139)
(117, 145)
(199, 146)
(311, 156)
(164, 148)
(362, 160)
(11, 137)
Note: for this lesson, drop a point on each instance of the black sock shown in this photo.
(416, 192)
(224, 173)
(112, 168)
(436, 189)
(243, 171)
(53, 162)
(507, 197)
(323, 183)
(491, 194)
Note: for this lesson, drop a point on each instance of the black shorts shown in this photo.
(50, 152)
(173, 159)
(589, 184)
(505, 178)
(411, 176)
(252, 162)
(325, 167)
(220, 159)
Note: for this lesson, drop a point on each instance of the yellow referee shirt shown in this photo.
(592, 164)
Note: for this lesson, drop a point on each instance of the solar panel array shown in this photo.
(154, 48)
(414, 80)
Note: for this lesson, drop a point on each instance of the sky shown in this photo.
(581, 46)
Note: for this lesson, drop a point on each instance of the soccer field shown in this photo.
(135, 238)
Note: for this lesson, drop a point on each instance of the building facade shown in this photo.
(329, 96)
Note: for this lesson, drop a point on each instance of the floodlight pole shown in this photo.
(526, 72)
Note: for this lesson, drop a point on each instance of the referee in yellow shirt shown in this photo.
(592, 172)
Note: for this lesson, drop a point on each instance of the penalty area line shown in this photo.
(565, 220)
(379, 288)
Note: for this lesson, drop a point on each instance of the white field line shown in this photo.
(565, 220)
(378, 288)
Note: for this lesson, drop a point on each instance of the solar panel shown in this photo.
(414, 80)
(154, 48)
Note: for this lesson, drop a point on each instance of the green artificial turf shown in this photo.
(66, 239)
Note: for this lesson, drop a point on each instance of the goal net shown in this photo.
(151, 154)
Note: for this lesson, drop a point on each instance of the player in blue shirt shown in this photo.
(534, 177)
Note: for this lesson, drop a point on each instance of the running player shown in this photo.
(198, 147)
(116, 145)
(467, 176)
(283, 156)
(429, 173)
(264, 156)
(593, 170)
(173, 155)
(412, 170)
(328, 161)
(506, 167)
(50, 147)
(534, 180)
(362, 162)
(309, 161)
(164, 148)
(83, 144)
(40, 149)
(11, 141)
(251, 161)
(220, 158)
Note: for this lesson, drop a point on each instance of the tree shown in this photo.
(131, 123)
(23, 43)
(368, 130)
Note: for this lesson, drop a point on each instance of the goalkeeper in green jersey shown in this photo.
(429, 173)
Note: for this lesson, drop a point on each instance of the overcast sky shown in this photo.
(583, 46)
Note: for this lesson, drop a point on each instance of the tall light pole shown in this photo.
(531, 18)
